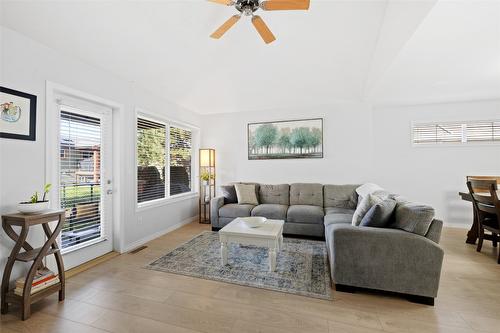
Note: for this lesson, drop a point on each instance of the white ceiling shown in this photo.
(453, 55)
(378, 51)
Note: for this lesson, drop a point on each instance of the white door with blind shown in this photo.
(85, 182)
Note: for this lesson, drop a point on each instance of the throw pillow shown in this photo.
(364, 190)
(379, 215)
(229, 194)
(246, 194)
(413, 217)
(363, 208)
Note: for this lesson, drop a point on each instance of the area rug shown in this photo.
(301, 269)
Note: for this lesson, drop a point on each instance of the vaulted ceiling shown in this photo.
(375, 51)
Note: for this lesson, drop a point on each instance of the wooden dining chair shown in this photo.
(484, 194)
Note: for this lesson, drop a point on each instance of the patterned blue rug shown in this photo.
(302, 265)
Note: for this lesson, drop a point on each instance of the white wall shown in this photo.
(366, 144)
(432, 175)
(347, 146)
(26, 66)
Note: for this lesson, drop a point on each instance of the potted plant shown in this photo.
(34, 205)
(205, 177)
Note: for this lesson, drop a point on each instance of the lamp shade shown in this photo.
(207, 157)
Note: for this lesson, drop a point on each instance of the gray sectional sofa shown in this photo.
(303, 207)
(403, 258)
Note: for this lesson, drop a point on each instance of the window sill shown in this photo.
(166, 201)
(83, 245)
(456, 144)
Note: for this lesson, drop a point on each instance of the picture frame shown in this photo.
(17, 115)
(285, 139)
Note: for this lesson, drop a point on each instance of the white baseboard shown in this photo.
(457, 225)
(157, 234)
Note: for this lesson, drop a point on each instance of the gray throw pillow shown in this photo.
(246, 194)
(413, 217)
(229, 194)
(379, 215)
(363, 208)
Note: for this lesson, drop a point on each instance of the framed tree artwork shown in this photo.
(285, 139)
(17, 115)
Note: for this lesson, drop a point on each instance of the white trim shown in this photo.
(52, 110)
(166, 201)
(157, 234)
(83, 245)
(456, 225)
(166, 120)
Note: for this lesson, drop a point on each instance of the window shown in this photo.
(180, 160)
(80, 140)
(153, 138)
(456, 132)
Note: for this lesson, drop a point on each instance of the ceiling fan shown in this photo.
(249, 7)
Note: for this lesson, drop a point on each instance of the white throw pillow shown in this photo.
(364, 190)
(363, 207)
(246, 194)
(367, 188)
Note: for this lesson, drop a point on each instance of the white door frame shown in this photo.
(53, 91)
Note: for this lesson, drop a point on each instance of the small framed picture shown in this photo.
(17, 115)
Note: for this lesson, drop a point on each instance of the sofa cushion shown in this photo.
(342, 196)
(335, 210)
(363, 208)
(380, 214)
(306, 194)
(271, 211)
(337, 218)
(235, 210)
(274, 194)
(305, 214)
(229, 194)
(246, 194)
(413, 217)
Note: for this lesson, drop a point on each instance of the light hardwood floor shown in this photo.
(120, 296)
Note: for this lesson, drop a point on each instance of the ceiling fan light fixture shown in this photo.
(249, 7)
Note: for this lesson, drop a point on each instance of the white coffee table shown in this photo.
(269, 235)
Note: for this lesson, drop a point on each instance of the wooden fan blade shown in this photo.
(225, 27)
(223, 2)
(263, 30)
(286, 5)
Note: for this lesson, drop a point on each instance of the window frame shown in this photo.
(168, 199)
(462, 143)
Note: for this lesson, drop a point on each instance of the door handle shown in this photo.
(109, 192)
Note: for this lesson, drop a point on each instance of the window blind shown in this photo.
(80, 177)
(456, 132)
(180, 160)
(483, 131)
(151, 142)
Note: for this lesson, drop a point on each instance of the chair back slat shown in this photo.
(483, 185)
(496, 200)
(490, 209)
(482, 199)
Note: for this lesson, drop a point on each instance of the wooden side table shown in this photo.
(30, 254)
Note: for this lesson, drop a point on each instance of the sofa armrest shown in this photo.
(385, 259)
(215, 204)
(434, 232)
